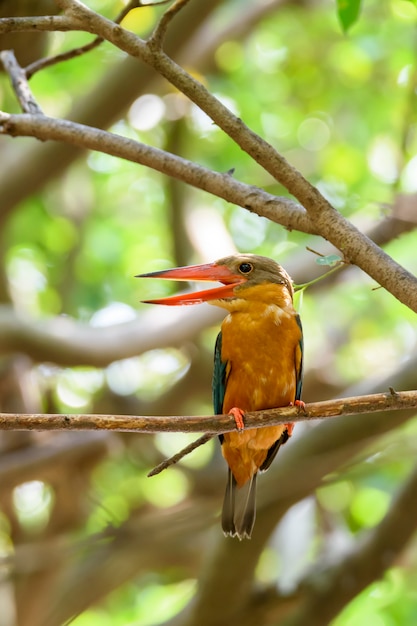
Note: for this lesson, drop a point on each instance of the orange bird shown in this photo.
(258, 364)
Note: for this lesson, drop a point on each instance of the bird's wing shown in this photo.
(239, 506)
(219, 377)
(299, 362)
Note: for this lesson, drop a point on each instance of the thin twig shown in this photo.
(340, 264)
(19, 82)
(158, 35)
(41, 64)
(181, 454)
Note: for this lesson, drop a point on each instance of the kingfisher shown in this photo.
(258, 364)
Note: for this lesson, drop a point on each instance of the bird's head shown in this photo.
(243, 276)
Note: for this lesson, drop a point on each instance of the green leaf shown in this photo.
(348, 12)
(330, 259)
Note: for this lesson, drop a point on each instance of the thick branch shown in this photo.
(280, 210)
(105, 103)
(356, 247)
(43, 460)
(322, 595)
(374, 553)
(66, 342)
(392, 401)
(115, 556)
(42, 23)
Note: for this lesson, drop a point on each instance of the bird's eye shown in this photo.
(245, 268)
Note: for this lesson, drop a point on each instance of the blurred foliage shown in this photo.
(342, 109)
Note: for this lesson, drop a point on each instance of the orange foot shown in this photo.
(301, 405)
(238, 416)
(290, 428)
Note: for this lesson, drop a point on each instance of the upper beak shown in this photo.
(210, 271)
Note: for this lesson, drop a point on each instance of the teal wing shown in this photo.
(238, 514)
(299, 362)
(219, 377)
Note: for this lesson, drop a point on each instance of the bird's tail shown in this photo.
(239, 508)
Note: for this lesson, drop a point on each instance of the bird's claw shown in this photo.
(300, 404)
(238, 416)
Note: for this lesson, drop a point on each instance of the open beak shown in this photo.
(210, 271)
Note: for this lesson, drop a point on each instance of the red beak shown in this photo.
(210, 271)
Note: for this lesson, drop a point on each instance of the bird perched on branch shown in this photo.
(257, 365)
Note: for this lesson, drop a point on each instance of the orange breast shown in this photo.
(260, 345)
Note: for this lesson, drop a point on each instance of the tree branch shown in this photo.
(315, 219)
(180, 455)
(41, 64)
(19, 82)
(322, 595)
(331, 225)
(158, 35)
(42, 460)
(392, 401)
(100, 107)
(328, 410)
(326, 221)
(332, 588)
(115, 556)
(49, 23)
(281, 210)
(67, 342)
(296, 473)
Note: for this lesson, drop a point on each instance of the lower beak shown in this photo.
(210, 271)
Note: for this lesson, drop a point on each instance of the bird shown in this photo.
(258, 364)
